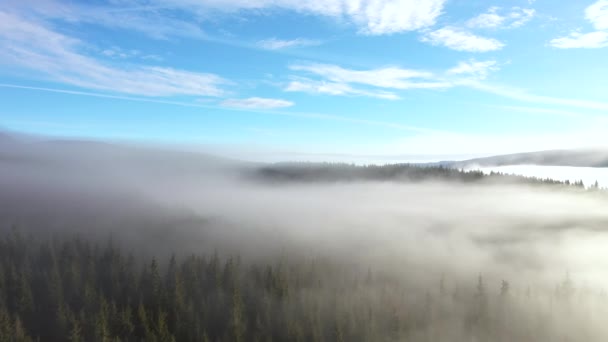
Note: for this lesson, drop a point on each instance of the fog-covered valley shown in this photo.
(426, 236)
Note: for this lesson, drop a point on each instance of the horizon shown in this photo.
(454, 78)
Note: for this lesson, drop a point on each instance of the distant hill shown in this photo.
(579, 158)
(106, 158)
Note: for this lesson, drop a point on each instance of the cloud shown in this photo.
(479, 70)
(371, 17)
(257, 102)
(461, 40)
(333, 88)
(378, 83)
(597, 15)
(126, 15)
(376, 17)
(116, 52)
(383, 83)
(521, 16)
(490, 19)
(199, 103)
(591, 40)
(278, 44)
(389, 77)
(496, 17)
(524, 96)
(31, 45)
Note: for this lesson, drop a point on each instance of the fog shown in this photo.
(93, 187)
(158, 200)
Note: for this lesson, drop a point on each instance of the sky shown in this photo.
(305, 79)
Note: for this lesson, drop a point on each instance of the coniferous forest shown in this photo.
(71, 289)
(108, 243)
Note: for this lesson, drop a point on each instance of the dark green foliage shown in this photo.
(72, 290)
(336, 172)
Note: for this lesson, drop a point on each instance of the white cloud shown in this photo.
(479, 70)
(520, 16)
(372, 17)
(461, 40)
(390, 77)
(497, 17)
(524, 96)
(490, 19)
(31, 45)
(591, 40)
(278, 44)
(133, 15)
(597, 14)
(384, 83)
(116, 52)
(378, 83)
(375, 17)
(257, 103)
(336, 89)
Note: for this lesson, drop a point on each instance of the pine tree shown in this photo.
(6, 326)
(75, 332)
(19, 333)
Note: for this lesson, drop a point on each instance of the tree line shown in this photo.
(341, 172)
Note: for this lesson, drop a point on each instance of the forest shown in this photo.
(334, 172)
(70, 289)
(114, 243)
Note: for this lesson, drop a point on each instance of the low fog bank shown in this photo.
(164, 201)
(159, 201)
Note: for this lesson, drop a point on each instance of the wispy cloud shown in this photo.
(597, 15)
(278, 44)
(30, 44)
(135, 16)
(477, 69)
(525, 96)
(461, 40)
(257, 102)
(590, 40)
(294, 114)
(371, 17)
(390, 77)
(387, 83)
(497, 17)
(332, 88)
(384, 83)
(376, 17)
(378, 83)
(116, 52)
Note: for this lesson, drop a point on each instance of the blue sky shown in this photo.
(317, 79)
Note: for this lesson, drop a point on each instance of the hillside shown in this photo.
(578, 158)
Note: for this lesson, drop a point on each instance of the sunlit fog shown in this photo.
(303, 171)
